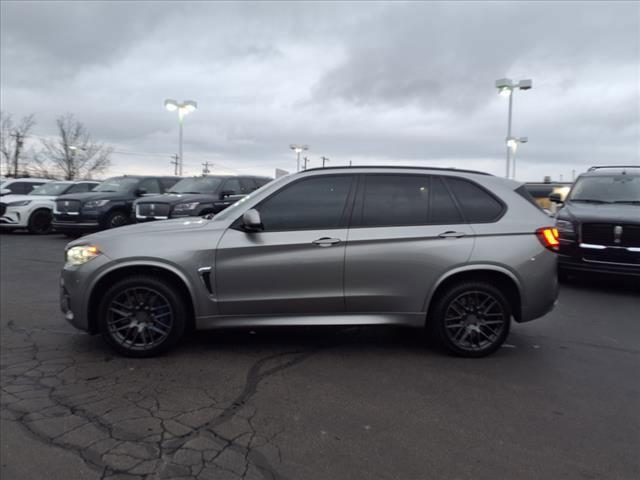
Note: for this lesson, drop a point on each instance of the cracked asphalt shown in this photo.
(560, 400)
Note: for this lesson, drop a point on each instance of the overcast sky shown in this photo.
(400, 83)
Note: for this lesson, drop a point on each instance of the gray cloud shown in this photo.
(368, 82)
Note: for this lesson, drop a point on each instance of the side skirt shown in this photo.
(230, 321)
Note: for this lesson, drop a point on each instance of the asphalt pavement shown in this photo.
(561, 399)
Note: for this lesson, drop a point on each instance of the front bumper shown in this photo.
(15, 217)
(79, 222)
(603, 259)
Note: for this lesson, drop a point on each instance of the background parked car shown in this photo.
(20, 186)
(34, 211)
(108, 205)
(197, 196)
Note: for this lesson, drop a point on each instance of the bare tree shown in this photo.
(74, 154)
(12, 141)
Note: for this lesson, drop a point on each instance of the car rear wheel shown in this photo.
(471, 319)
(40, 222)
(142, 316)
(116, 219)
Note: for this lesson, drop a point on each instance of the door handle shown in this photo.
(326, 241)
(451, 234)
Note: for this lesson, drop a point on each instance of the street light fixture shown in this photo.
(298, 149)
(506, 88)
(184, 108)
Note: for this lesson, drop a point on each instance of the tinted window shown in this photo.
(607, 188)
(315, 203)
(18, 188)
(232, 185)
(117, 184)
(443, 210)
(524, 193)
(150, 185)
(207, 185)
(476, 203)
(53, 188)
(261, 181)
(167, 183)
(395, 200)
(247, 185)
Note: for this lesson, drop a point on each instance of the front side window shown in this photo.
(395, 200)
(314, 203)
(54, 188)
(117, 184)
(232, 186)
(80, 188)
(478, 205)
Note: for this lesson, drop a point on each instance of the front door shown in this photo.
(295, 265)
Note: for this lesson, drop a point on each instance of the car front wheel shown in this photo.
(471, 319)
(142, 316)
(116, 219)
(40, 222)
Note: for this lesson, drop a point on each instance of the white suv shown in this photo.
(34, 210)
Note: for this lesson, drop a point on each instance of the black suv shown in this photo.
(108, 205)
(196, 196)
(599, 223)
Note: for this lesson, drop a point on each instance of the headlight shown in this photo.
(565, 227)
(81, 254)
(186, 206)
(95, 203)
(21, 203)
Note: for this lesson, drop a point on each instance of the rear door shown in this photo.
(406, 232)
(296, 264)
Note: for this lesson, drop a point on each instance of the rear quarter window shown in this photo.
(524, 193)
(476, 203)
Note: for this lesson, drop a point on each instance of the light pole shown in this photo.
(324, 160)
(506, 87)
(512, 144)
(184, 108)
(298, 149)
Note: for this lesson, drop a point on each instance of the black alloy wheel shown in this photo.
(40, 222)
(472, 319)
(142, 316)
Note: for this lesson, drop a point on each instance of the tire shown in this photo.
(116, 219)
(142, 316)
(40, 222)
(470, 319)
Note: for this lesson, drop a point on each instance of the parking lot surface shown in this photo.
(559, 401)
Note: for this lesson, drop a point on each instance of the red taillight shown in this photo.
(549, 237)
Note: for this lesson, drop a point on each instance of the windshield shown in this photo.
(117, 184)
(197, 185)
(54, 188)
(607, 189)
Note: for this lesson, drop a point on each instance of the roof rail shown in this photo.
(599, 167)
(459, 170)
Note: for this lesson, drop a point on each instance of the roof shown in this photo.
(398, 167)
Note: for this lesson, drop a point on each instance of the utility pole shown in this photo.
(175, 162)
(306, 163)
(16, 153)
(205, 168)
(324, 160)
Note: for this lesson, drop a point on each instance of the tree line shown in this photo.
(69, 155)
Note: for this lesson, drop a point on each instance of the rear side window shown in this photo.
(395, 200)
(247, 185)
(314, 203)
(443, 209)
(478, 205)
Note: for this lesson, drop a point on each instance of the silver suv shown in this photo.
(457, 251)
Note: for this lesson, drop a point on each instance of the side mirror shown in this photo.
(140, 191)
(251, 220)
(5, 191)
(226, 193)
(555, 197)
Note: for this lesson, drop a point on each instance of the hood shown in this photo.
(600, 213)
(85, 197)
(14, 198)
(160, 228)
(176, 198)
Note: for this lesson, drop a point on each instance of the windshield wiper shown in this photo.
(588, 200)
(108, 191)
(187, 193)
(631, 202)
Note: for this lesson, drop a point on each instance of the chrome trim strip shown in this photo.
(592, 246)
